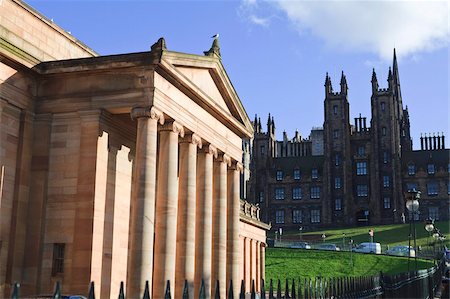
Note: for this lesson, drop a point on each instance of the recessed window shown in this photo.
(431, 169)
(387, 202)
(336, 134)
(58, 259)
(361, 151)
(385, 157)
(261, 196)
(448, 188)
(337, 183)
(315, 216)
(335, 109)
(296, 193)
(433, 213)
(279, 193)
(362, 190)
(314, 173)
(383, 106)
(432, 188)
(279, 216)
(338, 204)
(411, 186)
(386, 181)
(297, 174)
(297, 216)
(337, 160)
(279, 175)
(383, 131)
(315, 192)
(361, 168)
(411, 169)
(262, 150)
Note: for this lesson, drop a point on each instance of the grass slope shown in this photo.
(282, 263)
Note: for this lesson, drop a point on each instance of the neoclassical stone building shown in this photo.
(119, 168)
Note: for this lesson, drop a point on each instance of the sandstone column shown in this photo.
(257, 265)
(219, 225)
(203, 223)
(166, 208)
(185, 256)
(248, 264)
(233, 209)
(143, 200)
(263, 260)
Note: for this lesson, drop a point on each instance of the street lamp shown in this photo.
(343, 241)
(412, 204)
(429, 226)
(300, 229)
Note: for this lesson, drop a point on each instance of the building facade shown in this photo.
(349, 174)
(119, 168)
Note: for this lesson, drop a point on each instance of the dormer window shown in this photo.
(431, 169)
(411, 169)
(279, 175)
(314, 173)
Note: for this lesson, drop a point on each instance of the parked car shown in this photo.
(401, 250)
(301, 245)
(368, 247)
(332, 247)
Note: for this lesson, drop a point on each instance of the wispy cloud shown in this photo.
(258, 20)
(250, 11)
(374, 26)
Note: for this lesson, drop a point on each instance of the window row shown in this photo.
(431, 169)
(431, 187)
(297, 216)
(296, 174)
(280, 194)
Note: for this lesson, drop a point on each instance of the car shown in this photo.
(368, 247)
(401, 250)
(332, 247)
(301, 245)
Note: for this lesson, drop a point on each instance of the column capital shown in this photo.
(210, 149)
(236, 165)
(150, 112)
(192, 138)
(174, 127)
(224, 158)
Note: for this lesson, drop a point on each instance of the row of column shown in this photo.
(185, 211)
(253, 265)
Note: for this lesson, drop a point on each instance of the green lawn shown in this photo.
(282, 263)
(385, 234)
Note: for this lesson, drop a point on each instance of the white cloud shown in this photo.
(375, 26)
(258, 20)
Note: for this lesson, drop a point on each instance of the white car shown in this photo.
(401, 250)
(368, 248)
(301, 245)
(332, 247)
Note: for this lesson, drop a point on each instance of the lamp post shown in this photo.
(429, 226)
(300, 229)
(343, 241)
(412, 204)
(323, 238)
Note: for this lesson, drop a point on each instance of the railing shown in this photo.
(415, 284)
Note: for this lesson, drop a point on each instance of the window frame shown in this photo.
(386, 181)
(338, 204)
(58, 259)
(280, 193)
(314, 192)
(362, 192)
(297, 193)
(361, 168)
(279, 217)
(431, 169)
(297, 216)
(297, 174)
(315, 216)
(314, 173)
(279, 175)
(386, 202)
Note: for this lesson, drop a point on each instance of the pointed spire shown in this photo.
(374, 75)
(344, 86)
(273, 126)
(328, 86)
(343, 78)
(374, 81)
(394, 63)
(214, 51)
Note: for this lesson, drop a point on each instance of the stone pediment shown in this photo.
(204, 79)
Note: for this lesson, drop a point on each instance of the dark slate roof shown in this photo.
(423, 157)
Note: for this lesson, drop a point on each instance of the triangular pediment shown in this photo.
(202, 78)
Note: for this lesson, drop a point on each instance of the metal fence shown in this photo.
(414, 284)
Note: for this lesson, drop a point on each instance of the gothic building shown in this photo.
(349, 174)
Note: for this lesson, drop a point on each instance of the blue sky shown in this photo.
(276, 53)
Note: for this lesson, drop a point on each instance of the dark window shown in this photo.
(387, 203)
(315, 192)
(385, 157)
(362, 190)
(361, 151)
(279, 216)
(335, 109)
(337, 160)
(337, 183)
(386, 181)
(297, 216)
(296, 193)
(448, 188)
(314, 173)
(432, 188)
(262, 150)
(383, 106)
(433, 213)
(315, 216)
(411, 169)
(297, 175)
(261, 196)
(336, 134)
(279, 193)
(279, 175)
(338, 204)
(411, 186)
(58, 258)
(431, 169)
(383, 131)
(361, 168)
